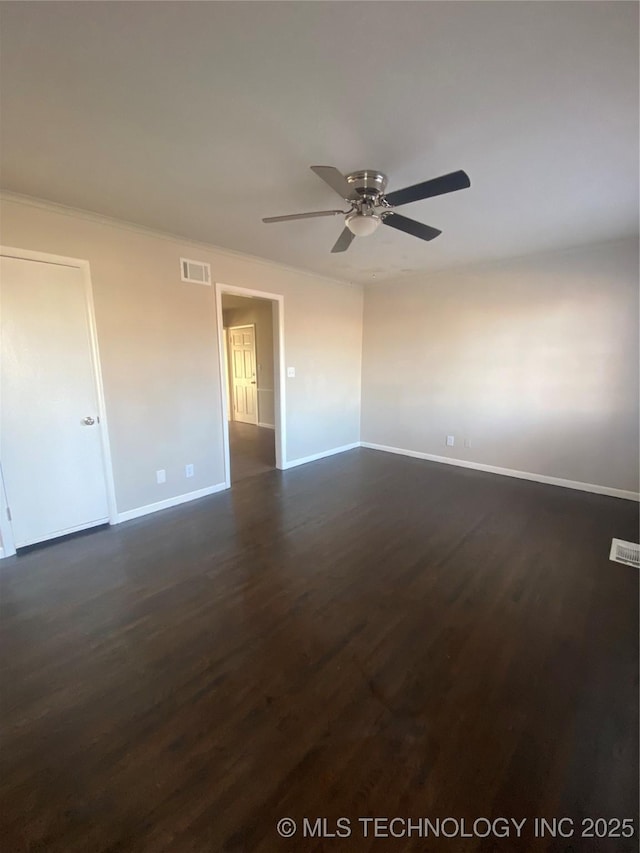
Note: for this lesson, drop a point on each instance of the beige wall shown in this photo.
(259, 313)
(159, 351)
(534, 360)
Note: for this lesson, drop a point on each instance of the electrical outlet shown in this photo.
(291, 372)
(188, 470)
(467, 442)
(450, 440)
(161, 476)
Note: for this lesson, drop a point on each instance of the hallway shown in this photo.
(252, 450)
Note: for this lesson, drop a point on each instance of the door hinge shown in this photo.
(9, 514)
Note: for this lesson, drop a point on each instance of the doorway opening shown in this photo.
(251, 345)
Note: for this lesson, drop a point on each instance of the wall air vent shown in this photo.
(625, 552)
(195, 272)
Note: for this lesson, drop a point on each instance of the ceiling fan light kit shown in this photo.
(364, 191)
(362, 224)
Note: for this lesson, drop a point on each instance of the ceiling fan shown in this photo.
(365, 192)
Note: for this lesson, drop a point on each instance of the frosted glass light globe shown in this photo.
(361, 225)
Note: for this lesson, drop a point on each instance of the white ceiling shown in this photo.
(201, 118)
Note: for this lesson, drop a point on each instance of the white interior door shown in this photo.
(242, 353)
(50, 442)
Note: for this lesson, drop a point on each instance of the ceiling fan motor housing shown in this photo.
(367, 182)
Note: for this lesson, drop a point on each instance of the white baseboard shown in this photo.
(509, 472)
(266, 426)
(304, 459)
(169, 502)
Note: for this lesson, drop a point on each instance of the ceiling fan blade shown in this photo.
(344, 241)
(410, 226)
(336, 181)
(303, 215)
(436, 186)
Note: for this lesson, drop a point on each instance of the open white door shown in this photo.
(242, 354)
(50, 441)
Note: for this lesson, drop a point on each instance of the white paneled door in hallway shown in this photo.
(242, 351)
(50, 435)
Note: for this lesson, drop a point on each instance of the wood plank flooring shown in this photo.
(252, 450)
(368, 635)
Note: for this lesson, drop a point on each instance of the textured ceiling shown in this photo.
(201, 118)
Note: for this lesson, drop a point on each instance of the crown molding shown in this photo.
(125, 225)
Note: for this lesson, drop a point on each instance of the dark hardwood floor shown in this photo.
(252, 450)
(368, 635)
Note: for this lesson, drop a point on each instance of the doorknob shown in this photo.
(88, 421)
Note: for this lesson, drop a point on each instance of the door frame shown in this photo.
(44, 257)
(255, 359)
(280, 411)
